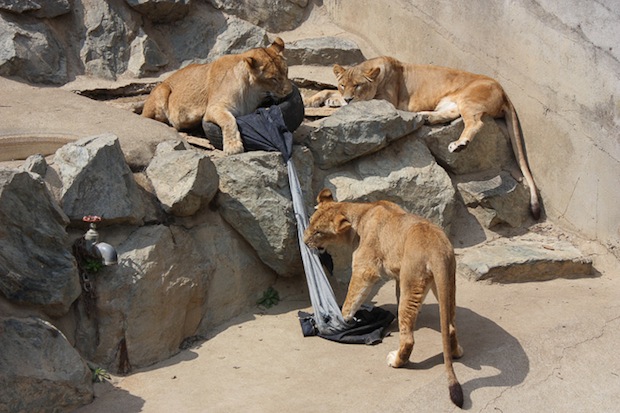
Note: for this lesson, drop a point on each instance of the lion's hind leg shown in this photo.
(446, 111)
(455, 348)
(156, 105)
(412, 294)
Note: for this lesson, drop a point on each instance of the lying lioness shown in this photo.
(392, 243)
(440, 94)
(231, 86)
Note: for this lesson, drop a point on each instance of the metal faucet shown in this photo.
(101, 250)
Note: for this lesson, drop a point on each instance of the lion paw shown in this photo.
(392, 359)
(457, 146)
(233, 147)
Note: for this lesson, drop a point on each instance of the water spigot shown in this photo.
(102, 250)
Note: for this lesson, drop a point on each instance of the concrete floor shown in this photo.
(529, 347)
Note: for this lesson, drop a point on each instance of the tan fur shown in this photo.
(440, 94)
(391, 243)
(231, 86)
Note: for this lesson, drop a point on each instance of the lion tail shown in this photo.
(447, 314)
(516, 138)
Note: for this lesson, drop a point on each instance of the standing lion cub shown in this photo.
(392, 243)
(231, 86)
(440, 94)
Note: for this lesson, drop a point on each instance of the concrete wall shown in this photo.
(559, 61)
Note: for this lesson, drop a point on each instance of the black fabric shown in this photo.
(264, 129)
(369, 328)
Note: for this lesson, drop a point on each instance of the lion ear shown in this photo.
(371, 74)
(278, 45)
(342, 224)
(338, 70)
(325, 196)
(252, 62)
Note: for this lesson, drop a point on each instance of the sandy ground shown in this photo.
(529, 347)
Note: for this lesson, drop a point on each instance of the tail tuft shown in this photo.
(456, 394)
(535, 210)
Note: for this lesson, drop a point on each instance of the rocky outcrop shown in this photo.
(357, 130)
(52, 42)
(273, 15)
(39, 370)
(90, 177)
(530, 257)
(36, 265)
(182, 179)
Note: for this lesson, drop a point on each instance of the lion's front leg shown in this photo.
(231, 138)
(328, 97)
(361, 284)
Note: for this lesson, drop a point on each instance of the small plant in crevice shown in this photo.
(92, 266)
(99, 374)
(269, 299)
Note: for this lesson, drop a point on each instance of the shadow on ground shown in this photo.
(497, 357)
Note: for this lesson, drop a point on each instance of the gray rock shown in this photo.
(274, 15)
(39, 8)
(323, 51)
(161, 11)
(31, 52)
(489, 151)
(239, 276)
(145, 56)
(36, 265)
(90, 177)
(405, 173)
(39, 370)
(35, 164)
(183, 180)
(358, 129)
(159, 269)
(109, 30)
(501, 200)
(531, 257)
(205, 34)
(255, 199)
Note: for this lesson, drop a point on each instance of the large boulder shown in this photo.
(323, 51)
(405, 173)
(206, 34)
(497, 200)
(358, 129)
(90, 177)
(109, 29)
(133, 325)
(489, 151)
(39, 370)
(45, 9)
(36, 265)
(255, 199)
(161, 11)
(30, 50)
(273, 15)
(183, 179)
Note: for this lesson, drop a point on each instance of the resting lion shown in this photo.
(392, 243)
(231, 86)
(440, 94)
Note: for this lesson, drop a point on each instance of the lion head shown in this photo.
(357, 83)
(328, 225)
(269, 70)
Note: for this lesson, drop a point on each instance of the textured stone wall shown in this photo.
(559, 63)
